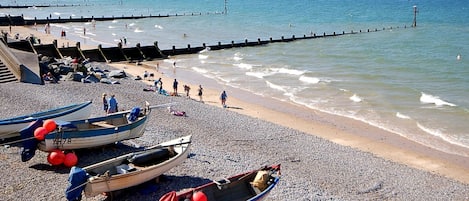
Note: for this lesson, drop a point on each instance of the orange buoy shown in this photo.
(56, 157)
(199, 196)
(50, 125)
(71, 159)
(40, 133)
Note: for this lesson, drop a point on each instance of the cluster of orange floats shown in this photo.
(55, 157)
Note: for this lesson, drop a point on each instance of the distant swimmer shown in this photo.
(458, 57)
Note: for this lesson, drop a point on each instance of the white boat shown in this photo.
(10, 127)
(98, 131)
(127, 170)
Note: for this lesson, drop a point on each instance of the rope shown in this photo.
(77, 187)
(13, 142)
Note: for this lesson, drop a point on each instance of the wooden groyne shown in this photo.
(146, 53)
(9, 20)
(39, 6)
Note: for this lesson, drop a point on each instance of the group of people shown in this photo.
(109, 106)
(158, 85)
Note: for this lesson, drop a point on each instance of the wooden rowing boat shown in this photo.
(127, 170)
(10, 127)
(252, 186)
(98, 131)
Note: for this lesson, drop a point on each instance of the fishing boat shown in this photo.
(98, 131)
(10, 127)
(127, 170)
(252, 186)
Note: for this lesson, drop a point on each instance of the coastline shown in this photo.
(340, 130)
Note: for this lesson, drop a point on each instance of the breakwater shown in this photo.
(9, 20)
(39, 6)
(150, 52)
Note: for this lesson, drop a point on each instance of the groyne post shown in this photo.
(414, 23)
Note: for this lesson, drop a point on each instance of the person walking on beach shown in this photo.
(200, 93)
(159, 85)
(175, 87)
(187, 88)
(105, 103)
(223, 97)
(112, 105)
(145, 75)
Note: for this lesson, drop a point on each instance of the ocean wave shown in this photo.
(111, 27)
(399, 115)
(276, 87)
(430, 99)
(238, 56)
(115, 21)
(62, 26)
(201, 56)
(207, 49)
(356, 98)
(244, 66)
(200, 70)
(309, 80)
(138, 30)
(56, 13)
(439, 133)
(157, 26)
(288, 71)
(259, 75)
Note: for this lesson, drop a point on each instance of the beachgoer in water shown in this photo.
(174, 67)
(112, 105)
(223, 97)
(200, 93)
(105, 103)
(175, 87)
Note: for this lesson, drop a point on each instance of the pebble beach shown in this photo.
(224, 143)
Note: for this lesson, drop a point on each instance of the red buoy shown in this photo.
(56, 157)
(71, 159)
(199, 196)
(50, 125)
(40, 133)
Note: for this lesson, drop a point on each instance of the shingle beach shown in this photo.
(225, 143)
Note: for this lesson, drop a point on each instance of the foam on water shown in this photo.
(402, 116)
(276, 87)
(288, 71)
(259, 75)
(430, 99)
(309, 80)
(244, 66)
(355, 98)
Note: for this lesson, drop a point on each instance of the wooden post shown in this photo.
(414, 23)
(225, 8)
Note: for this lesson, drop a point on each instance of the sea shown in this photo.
(411, 81)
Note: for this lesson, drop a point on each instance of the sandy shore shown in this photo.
(337, 129)
(325, 170)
